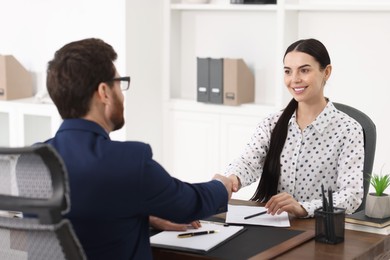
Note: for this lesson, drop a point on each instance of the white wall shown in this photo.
(358, 43)
(33, 30)
(144, 64)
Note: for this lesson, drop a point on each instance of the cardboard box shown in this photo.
(15, 80)
(238, 83)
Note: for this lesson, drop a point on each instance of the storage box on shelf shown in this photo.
(15, 80)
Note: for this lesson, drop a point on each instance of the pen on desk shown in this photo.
(192, 234)
(255, 215)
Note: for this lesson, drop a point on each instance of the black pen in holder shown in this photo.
(330, 225)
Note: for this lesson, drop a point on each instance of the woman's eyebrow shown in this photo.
(300, 67)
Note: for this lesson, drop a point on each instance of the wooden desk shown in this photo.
(357, 245)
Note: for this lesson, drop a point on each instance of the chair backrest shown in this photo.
(369, 131)
(34, 194)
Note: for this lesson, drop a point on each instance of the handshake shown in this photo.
(232, 183)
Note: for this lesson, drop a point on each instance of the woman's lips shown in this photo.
(299, 90)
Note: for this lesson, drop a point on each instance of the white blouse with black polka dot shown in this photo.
(329, 151)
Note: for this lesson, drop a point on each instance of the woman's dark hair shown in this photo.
(76, 71)
(268, 184)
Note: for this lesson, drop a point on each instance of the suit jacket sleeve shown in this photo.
(167, 197)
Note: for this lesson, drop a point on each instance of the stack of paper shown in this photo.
(236, 214)
(200, 244)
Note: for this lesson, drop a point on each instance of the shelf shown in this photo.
(193, 34)
(28, 101)
(355, 7)
(332, 7)
(27, 121)
(244, 109)
(222, 7)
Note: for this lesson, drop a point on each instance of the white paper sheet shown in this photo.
(236, 215)
(169, 239)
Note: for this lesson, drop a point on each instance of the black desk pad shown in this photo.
(254, 240)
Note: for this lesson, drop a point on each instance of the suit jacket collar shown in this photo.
(83, 125)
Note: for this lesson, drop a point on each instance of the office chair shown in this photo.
(369, 132)
(34, 194)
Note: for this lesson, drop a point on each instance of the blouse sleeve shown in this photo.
(249, 166)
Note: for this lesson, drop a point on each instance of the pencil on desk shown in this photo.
(255, 215)
(192, 234)
(330, 215)
(324, 200)
(325, 207)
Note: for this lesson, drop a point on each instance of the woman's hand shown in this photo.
(163, 224)
(236, 182)
(284, 202)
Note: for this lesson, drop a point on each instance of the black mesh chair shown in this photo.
(34, 194)
(369, 131)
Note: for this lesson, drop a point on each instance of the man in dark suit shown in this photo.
(114, 186)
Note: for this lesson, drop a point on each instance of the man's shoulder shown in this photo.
(130, 146)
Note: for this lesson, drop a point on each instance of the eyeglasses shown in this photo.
(124, 82)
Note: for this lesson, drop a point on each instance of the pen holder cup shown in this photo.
(330, 226)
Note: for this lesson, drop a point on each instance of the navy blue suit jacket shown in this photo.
(115, 186)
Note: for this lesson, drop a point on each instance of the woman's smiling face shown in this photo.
(304, 77)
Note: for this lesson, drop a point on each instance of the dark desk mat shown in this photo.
(254, 240)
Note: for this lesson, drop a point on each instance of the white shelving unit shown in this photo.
(219, 30)
(27, 121)
(201, 139)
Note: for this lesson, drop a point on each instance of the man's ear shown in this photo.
(103, 91)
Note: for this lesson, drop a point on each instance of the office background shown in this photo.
(357, 41)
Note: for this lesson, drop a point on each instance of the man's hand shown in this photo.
(236, 182)
(163, 224)
(285, 202)
(227, 182)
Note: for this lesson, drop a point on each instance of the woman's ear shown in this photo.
(328, 71)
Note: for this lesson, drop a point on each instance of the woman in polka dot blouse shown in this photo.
(307, 144)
